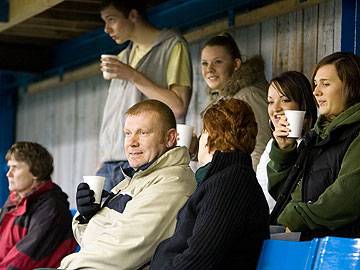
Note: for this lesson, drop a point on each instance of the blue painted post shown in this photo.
(231, 18)
(4, 10)
(350, 26)
(7, 127)
(357, 28)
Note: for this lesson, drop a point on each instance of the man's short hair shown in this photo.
(165, 115)
(231, 125)
(35, 156)
(125, 6)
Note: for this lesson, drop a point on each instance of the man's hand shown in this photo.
(117, 69)
(85, 202)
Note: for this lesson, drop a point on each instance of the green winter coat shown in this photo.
(339, 204)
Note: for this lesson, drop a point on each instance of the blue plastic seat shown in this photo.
(73, 211)
(328, 253)
(337, 253)
(281, 254)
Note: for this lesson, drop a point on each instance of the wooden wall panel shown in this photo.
(64, 140)
(199, 96)
(310, 40)
(35, 118)
(326, 29)
(267, 45)
(241, 35)
(253, 40)
(337, 25)
(248, 40)
(66, 121)
(296, 41)
(304, 37)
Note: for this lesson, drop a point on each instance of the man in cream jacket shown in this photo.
(141, 210)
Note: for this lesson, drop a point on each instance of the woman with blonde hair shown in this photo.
(227, 75)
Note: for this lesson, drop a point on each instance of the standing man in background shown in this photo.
(155, 65)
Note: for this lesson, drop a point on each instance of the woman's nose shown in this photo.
(210, 66)
(276, 106)
(317, 90)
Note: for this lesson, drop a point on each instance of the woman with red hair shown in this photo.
(223, 224)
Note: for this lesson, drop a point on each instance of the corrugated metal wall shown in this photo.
(67, 120)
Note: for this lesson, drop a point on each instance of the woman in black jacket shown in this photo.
(223, 224)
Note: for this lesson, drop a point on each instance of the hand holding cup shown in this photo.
(96, 184)
(296, 122)
(87, 197)
(289, 128)
(185, 134)
(106, 60)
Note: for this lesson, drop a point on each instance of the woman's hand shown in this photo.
(194, 147)
(281, 132)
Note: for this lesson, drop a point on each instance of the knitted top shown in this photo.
(223, 224)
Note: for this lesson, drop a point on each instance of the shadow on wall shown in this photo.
(7, 124)
(4, 191)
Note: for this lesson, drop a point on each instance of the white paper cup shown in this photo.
(184, 135)
(107, 75)
(296, 121)
(96, 183)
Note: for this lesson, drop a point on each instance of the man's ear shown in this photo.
(134, 15)
(171, 138)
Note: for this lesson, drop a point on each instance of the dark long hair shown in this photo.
(295, 86)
